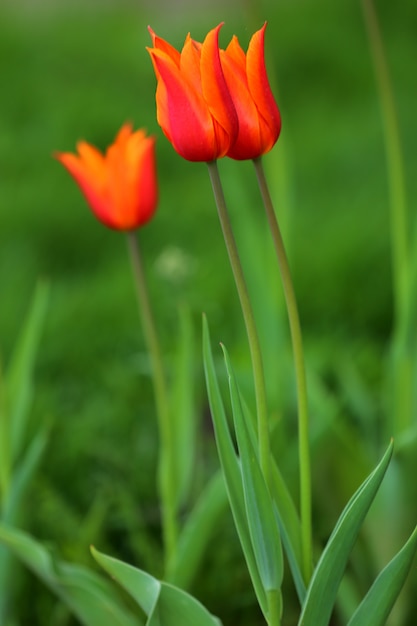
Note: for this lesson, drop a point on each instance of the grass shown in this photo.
(79, 73)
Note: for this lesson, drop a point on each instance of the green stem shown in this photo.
(166, 470)
(274, 607)
(254, 346)
(303, 417)
(399, 222)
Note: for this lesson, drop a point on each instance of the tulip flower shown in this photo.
(194, 106)
(248, 85)
(121, 185)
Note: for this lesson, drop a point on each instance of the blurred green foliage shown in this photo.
(72, 71)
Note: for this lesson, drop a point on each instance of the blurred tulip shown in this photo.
(194, 106)
(257, 111)
(121, 185)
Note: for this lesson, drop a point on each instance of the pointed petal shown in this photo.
(248, 142)
(182, 112)
(216, 92)
(260, 89)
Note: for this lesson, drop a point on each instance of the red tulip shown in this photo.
(194, 106)
(247, 81)
(121, 185)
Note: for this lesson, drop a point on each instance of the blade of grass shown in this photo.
(91, 598)
(231, 467)
(263, 526)
(183, 416)
(378, 602)
(197, 532)
(164, 604)
(19, 372)
(322, 591)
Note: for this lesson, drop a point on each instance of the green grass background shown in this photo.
(79, 70)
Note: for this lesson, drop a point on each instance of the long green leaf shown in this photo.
(185, 422)
(164, 604)
(230, 466)
(288, 519)
(378, 602)
(321, 593)
(263, 527)
(197, 532)
(22, 476)
(289, 524)
(19, 372)
(90, 597)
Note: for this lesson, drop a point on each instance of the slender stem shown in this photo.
(303, 417)
(254, 346)
(166, 470)
(402, 412)
(274, 606)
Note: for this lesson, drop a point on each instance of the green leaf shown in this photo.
(287, 515)
(90, 597)
(184, 412)
(231, 467)
(22, 476)
(260, 514)
(197, 532)
(378, 602)
(290, 528)
(321, 593)
(19, 372)
(164, 604)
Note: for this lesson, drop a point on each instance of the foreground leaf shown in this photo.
(378, 602)
(321, 593)
(231, 467)
(164, 604)
(287, 516)
(263, 526)
(90, 597)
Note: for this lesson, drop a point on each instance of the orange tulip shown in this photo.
(247, 81)
(121, 185)
(194, 106)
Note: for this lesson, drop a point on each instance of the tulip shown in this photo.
(248, 85)
(194, 106)
(121, 185)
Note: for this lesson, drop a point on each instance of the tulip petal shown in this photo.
(248, 142)
(260, 89)
(120, 187)
(216, 93)
(182, 112)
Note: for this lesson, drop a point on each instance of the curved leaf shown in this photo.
(90, 597)
(378, 602)
(164, 604)
(230, 466)
(263, 527)
(197, 532)
(321, 593)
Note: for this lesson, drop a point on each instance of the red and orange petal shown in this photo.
(215, 90)
(248, 142)
(182, 112)
(260, 89)
(120, 187)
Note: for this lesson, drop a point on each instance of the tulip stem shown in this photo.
(296, 338)
(254, 345)
(166, 469)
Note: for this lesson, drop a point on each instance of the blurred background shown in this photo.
(79, 69)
